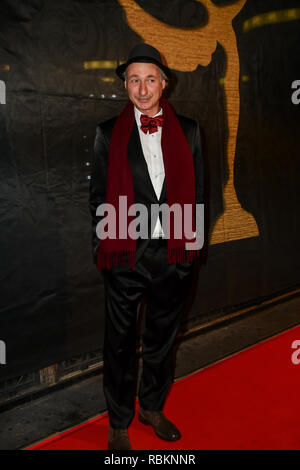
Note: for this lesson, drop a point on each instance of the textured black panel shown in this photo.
(52, 300)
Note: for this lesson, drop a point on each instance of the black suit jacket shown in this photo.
(143, 188)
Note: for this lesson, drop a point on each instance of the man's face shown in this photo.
(144, 86)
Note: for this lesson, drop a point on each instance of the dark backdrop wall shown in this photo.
(235, 63)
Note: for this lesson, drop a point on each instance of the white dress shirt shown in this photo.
(151, 145)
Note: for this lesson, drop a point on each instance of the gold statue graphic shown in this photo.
(185, 49)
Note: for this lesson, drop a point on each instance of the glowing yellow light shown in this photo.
(246, 25)
(245, 78)
(108, 79)
(4, 67)
(271, 17)
(101, 64)
(292, 14)
(256, 21)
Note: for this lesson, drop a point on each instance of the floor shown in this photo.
(63, 409)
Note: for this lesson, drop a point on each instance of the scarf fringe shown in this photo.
(127, 258)
(181, 255)
(124, 258)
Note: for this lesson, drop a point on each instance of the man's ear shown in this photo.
(125, 84)
(163, 84)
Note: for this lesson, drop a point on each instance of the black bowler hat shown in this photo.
(143, 53)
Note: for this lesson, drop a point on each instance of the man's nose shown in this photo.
(143, 89)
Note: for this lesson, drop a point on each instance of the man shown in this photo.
(150, 156)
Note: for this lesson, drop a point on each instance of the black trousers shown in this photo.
(166, 288)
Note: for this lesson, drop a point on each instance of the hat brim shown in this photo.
(121, 68)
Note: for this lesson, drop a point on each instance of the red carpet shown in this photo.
(248, 401)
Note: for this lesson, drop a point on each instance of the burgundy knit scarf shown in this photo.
(180, 187)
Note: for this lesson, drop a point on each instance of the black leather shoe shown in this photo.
(118, 439)
(161, 425)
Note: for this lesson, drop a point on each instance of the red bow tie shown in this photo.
(150, 123)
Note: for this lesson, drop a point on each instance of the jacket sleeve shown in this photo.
(98, 183)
